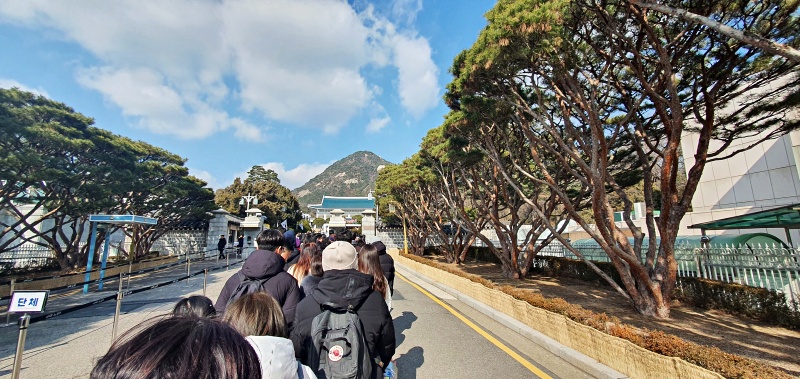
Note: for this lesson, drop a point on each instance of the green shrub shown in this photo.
(757, 303)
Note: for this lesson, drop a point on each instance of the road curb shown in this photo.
(574, 357)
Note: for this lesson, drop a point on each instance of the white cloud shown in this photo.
(297, 176)
(376, 124)
(142, 94)
(11, 83)
(418, 84)
(207, 177)
(299, 62)
(292, 178)
(406, 10)
(183, 67)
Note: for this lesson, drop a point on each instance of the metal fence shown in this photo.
(174, 242)
(26, 256)
(771, 267)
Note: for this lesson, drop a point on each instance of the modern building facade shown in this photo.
(758, 179)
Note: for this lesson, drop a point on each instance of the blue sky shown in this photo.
(293, 85)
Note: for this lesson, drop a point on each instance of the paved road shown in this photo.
(434, 337)
(67, 346)
(437, 342)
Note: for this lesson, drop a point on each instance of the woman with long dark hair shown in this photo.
(195, 305)
(370, 263)
(179, 347)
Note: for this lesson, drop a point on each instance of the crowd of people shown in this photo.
(302, 306)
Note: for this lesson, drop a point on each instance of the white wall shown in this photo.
(762, 178)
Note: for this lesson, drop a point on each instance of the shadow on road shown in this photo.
(408, 363)
(401, 324)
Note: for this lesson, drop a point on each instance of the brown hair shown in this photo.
(370, 263)
(257, 314)
(179, 347)
(316, 262)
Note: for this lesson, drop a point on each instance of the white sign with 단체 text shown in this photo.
(28, 301)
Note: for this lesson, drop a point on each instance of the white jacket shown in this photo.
(388, 297)
(277, 359)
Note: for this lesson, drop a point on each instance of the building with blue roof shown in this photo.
(350, 205)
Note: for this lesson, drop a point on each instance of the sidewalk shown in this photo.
(68, 345)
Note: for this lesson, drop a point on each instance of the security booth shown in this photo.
(94, 220)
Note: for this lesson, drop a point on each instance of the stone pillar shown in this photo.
(337, 219)
(368, 224)
(252, 225)
(217, 226)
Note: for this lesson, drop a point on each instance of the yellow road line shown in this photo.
(535, 370)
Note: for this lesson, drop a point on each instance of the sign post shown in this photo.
(116, 311)
(23, 331)
(24, 302)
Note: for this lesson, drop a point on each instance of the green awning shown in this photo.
(786, 217)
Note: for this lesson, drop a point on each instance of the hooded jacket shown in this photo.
(259, 265)
(277, 359)
(387, 263)
(343, 288)
(308, 284)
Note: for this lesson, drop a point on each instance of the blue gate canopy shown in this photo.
(123, 219)
(787, 217)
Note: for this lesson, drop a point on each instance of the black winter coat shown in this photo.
(265, 264)
(387, 263)
(308, 284)
(343, 288)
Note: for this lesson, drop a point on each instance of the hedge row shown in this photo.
(757, 303)
(711, 358)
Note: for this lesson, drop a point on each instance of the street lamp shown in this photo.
(249, 198)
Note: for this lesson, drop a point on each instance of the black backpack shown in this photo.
(339, 346)
(248, 285)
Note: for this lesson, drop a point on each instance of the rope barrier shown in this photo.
(124, 293)
(142, 271)
(75, 273)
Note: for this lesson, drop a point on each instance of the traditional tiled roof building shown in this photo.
(350, 205)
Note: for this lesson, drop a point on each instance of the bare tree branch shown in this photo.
(765, 44)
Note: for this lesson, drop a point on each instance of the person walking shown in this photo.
(344, 289)
(370, 263)
(387, 264)
(259, 318)
(221, 246)
(265, 266)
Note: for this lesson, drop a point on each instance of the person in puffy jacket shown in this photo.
(387, 264)
(265, 263)
(342, 286)
(259, 318)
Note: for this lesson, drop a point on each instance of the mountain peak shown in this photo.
(353, 175)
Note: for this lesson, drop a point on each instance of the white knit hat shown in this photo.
(339, 255)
